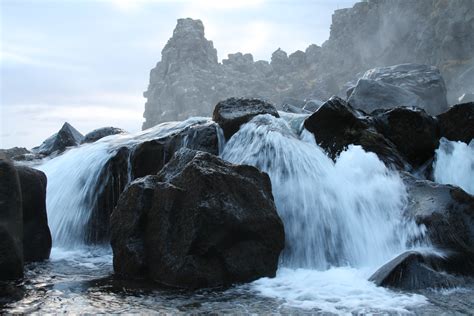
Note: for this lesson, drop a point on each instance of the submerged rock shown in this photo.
(336, 125)
(230, 114)
(457, 124)
(201, 222)
(36, 233)
(99, 133)
(11, 222)
(414, 132)
(448, 214)
(67, 136)
(413, 271)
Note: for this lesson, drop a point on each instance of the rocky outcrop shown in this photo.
(99, 133)
(36, 234)
(414, 133)
(457, 124)
(201, 222)
(11, 222)
(448, 214)
(336, 125)
(400, 85)
(66, 137)
(413, 271)
(232, 113)
(189, 81)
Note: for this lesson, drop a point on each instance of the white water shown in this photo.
(342, 220)
(454, 164)
(72, 180)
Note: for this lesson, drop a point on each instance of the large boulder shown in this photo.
(11, 222)
(448, 214)
(423, 80)
(370, 94)
(457, 124)
(230, 114)
(201, 222)
(336, 125)
(413, 271)
(66, 137)
(102, 132)
(36, 233)
(412, 130)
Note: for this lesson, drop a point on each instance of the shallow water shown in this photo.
(82, 282)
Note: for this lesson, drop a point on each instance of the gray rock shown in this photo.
(312, 105)
(99, 133)
(66, 137)
(15, 153)
(466, 97)
(230, 114)
(201, 222)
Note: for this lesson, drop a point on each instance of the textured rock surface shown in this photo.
(189, 81)
(14, 153)
(11, 222)
(66, 137)
(201, 222)
(457, 124)
(36, 233)
(99, 133)
(230, 114)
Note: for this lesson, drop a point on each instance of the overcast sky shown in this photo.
(87, 62)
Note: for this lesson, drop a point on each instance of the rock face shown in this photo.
(11, 222)
(189, 81)
(66, 137)
(414, 133)
(232, 113)
(448, 214)
(401, 85)
(457, 124)
(99, 133)
(336, 125)
(201, 222)
(36, 233)
(412, 271)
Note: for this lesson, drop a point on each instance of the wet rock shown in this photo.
(448, 214)
(457, 124)
(369, 95)
(413, 271)
(36, 233)
(67, 136)
(312, 105)
(293, 109)
(99, 133)
(232, 113)
(11, 222)
(414, 132)
(336, 125)
(201, 222)
(14, 153)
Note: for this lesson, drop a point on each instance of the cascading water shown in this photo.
(454, 164)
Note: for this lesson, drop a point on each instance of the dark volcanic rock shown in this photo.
(412, 271)
(36, 233)
(230, 114)
(67, 136)
(369, 95)
(448, 214)
(336, 125)
(149, 157)
(11, 222)
(99, 133)
(457, 124)
(201, 222)
(414, 132)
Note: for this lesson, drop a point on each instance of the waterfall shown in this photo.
(73, 180)
(454, 164)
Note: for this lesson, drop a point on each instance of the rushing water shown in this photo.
(342, 221)
(454, 164)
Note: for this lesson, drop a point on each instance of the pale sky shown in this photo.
(88, 61)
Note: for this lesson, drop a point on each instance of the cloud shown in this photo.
(134, 5)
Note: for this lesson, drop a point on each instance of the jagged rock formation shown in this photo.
(67, 136)
(189, 80)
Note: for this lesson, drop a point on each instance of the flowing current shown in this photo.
(342, 219)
